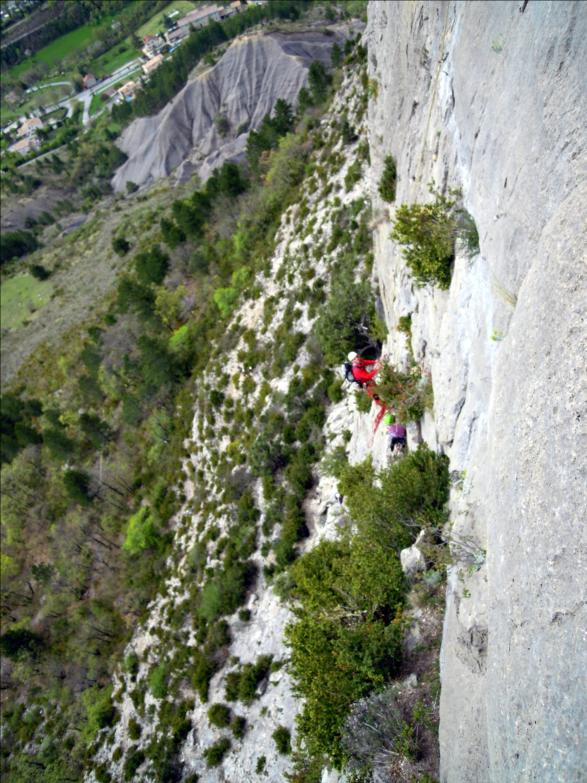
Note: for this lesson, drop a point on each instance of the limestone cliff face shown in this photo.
(490, 97)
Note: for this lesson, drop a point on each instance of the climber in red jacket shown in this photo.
(359, 368)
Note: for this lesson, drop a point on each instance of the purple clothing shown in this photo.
(397, 431)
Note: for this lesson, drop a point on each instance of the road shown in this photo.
(85, 96)
(49, 84)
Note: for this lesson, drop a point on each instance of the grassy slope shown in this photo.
(114, 58)
(84, 269)
(20, 297)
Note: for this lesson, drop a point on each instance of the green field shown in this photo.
(156, 25)
(57, 50)
(20, 296)
(114, 58)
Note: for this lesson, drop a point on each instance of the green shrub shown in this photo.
(151, 265)
(40, 272)
(363, 401)
(132, 763)
(142, 532)
(282, 739)
(407, 393)
(353, 175)
(102, 774)
(346, 317)
(387, 182)
(261, 764)
(242, 685)
(219, 715)
(335, 391)
(238, 726)
(158, 680)
(215, 753)
(428, 233)
(100, 712)
(120, 246)
(203, 669)
(404, 324)
(226, 591)
(134, 729)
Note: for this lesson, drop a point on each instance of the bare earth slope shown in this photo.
(490, 97)
(242, 87)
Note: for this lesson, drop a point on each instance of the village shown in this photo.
(26, 135)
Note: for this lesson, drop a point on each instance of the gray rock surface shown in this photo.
(492, 100)
(242, 87)
(412, 559)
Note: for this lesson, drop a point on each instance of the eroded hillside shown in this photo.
(209, 120)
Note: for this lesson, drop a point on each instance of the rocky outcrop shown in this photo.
(241, 89)
(489, 97)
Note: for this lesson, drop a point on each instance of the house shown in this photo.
(89, 80)
(127, 91)
(110, 92)
(174, 37)
(201, 16)
(197, 18)
(24, 146)
(151, 64)
(234, 8)
(29, 128)
(152, 45)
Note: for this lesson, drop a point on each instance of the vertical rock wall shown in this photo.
(490, 97)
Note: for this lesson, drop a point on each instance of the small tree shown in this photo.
(142, 532)
(39, 271)
(152, 265)
(120, 246)
(172, 233)
(77, 485)
(319, 81)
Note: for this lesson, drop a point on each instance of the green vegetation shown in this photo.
(346, 640)
(219, 715)
(89, 29)
(347, 321)
(55, 52)
(14, 244)
(242, 685)
(408, 394)
(21, 296)
(387, 182)
(95, 460)
(216, 752)
(282, 739)
(428, 235)
(157, 22)
(113, 59)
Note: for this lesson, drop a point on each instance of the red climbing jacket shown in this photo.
(360, 373)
